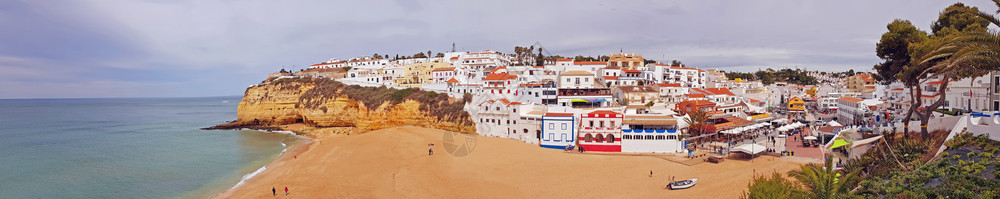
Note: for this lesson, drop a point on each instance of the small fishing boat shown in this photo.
(684, 184)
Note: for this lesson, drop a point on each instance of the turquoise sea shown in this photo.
(127, 148)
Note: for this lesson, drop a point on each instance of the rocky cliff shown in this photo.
(319, 102)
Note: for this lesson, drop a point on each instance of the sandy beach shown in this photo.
(393, 163)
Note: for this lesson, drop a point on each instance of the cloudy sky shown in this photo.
(181, 48)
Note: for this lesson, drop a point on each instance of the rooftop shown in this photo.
(577, 73)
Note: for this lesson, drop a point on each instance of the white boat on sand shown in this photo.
(684, 184)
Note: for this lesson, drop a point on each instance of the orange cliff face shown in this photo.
(268, 106)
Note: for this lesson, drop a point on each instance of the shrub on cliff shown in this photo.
(325, 89)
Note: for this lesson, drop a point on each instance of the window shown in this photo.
(552, 126)
(564, 126)
(591, 124)
(661, 137)
(551, 136)
(602, 124)
(611, 138)
(996, 85)
(649, 137)
(588, 138)
(600, 138)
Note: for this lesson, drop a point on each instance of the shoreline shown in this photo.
(287, 153)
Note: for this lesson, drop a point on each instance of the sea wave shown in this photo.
(248, 176)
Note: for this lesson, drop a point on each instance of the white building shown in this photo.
(644, 133)
(558, 130)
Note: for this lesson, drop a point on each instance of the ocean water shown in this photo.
(127, 148)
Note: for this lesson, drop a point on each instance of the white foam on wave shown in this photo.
(248, 176)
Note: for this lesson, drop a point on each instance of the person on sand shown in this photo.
(430, 152)
(274, 192)
(286, 191)
(650, 173)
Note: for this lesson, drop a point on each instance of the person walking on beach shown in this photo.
(286, 191)
(274, 192)
(430, 152)
(650, 173)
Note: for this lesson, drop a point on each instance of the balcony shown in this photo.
(584, 92)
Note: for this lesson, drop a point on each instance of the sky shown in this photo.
(189, 48)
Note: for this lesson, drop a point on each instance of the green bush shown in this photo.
(325, 89)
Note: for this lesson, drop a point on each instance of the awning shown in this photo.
(752, 149)
(649, 131)
(600, 100)
(761, 116)
(865, 141)
(979, 115)
(839, 143)
(579, 100)
(650, 121)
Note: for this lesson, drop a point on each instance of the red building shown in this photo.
(601, 131)
(692, 105)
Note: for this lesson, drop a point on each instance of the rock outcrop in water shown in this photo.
(318, 102)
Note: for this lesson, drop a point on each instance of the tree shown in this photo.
(540, 60)
(648, 61)
(960, 48)
(893, 49)
(675, 63)
(439, 55)
(959, 18)
(696, 121)
(825, 183)
(376, 56)
(650, 104)
(419, 55)
(762, 187)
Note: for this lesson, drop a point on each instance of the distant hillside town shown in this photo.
(625, 103)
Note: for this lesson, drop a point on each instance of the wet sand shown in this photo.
(393, 163)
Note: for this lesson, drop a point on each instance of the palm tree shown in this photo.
(955, 56)
(823, 182)
(696, 121)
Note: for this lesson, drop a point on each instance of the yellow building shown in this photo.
(629, 61)
(796, 104)
(860, 83)
(416, 74)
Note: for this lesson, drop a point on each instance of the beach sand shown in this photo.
(393, 163)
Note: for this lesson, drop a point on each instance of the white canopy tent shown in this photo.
(809, 138)
(752, 149)
(834, 123)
